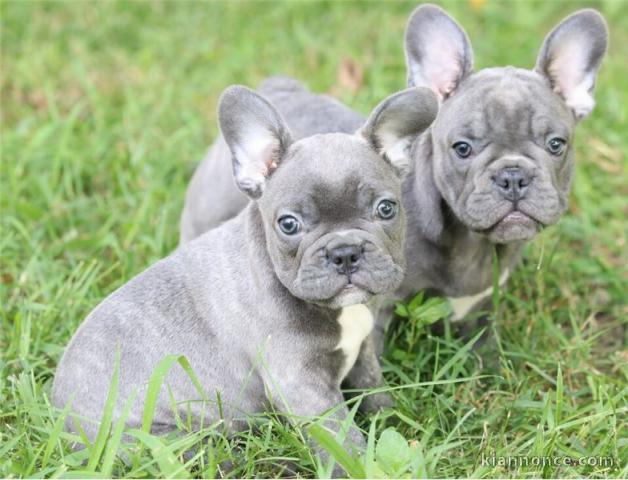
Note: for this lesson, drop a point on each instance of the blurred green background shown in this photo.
(107, 107)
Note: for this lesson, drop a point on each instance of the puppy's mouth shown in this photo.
(516, 218)
(351, 293)
(341, 271)
(514, 226)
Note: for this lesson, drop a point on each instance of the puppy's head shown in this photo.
(501, 146)
(331, 203)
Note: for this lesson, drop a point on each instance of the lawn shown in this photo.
(107, 108)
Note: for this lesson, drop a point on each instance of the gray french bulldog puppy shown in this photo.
(272, 306)
(496, 166)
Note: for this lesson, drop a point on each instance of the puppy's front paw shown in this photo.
(376, 402)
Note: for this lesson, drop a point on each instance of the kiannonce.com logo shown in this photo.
(541, 461)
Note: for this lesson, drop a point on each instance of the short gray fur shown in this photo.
(255, 310)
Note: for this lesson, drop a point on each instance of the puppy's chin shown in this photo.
(346, 295)
(514, 227)
(349, 295)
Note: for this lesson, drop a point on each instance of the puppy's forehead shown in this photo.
(332, 155)
(331, 165)
(507, 101)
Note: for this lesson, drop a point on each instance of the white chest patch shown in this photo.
(463, 305)
(356, 322)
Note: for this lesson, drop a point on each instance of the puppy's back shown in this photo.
(164, 310)
(307, 113)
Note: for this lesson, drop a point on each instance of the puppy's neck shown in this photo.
(257, 254)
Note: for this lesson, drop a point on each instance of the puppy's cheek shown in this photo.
(451, 180)
(481, 210)
(544, 200)
(458, 194)
(393, 243)
(313, 283)
(380, 272)
(314, 280)
(284, 263)
(563, 177)
(545, 204)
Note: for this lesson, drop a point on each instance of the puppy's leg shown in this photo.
(367, 374)
(384, 317)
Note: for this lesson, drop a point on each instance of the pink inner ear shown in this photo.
(441, 67)
(256, 155)
(571, 80)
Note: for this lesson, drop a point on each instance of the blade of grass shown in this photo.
(116, 436)
(82, 474)
(81, 433)
(9, 445)
(559, 395)
(54, 434)
(369, 456)
(168, 463)
(325, 439)
(107, 416)
(458, 355)
(156, 381)
(496, 275)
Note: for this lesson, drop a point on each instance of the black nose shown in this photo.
(345, 259)
(512, 183)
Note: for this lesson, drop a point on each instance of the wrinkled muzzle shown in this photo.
(511, 200)
(346, 268)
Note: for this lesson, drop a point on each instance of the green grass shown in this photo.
(106, 110)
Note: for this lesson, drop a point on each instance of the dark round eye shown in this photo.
(556, 146)
(289, 225)
(463, 149)
(386, 209)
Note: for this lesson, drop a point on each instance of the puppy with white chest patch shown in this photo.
(272, 305)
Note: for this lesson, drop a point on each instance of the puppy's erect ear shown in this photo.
(570, 57)
(256, 134)
(438, 51)
(397, 121)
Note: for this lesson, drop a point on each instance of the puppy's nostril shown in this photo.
(500, 181)
(346, 258)
(512, 183)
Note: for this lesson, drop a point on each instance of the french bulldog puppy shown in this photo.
(495, 167)
(272, 306)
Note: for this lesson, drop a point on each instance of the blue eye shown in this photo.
(289, 225)
(556, 146)
(386, 209)
(462, 149)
